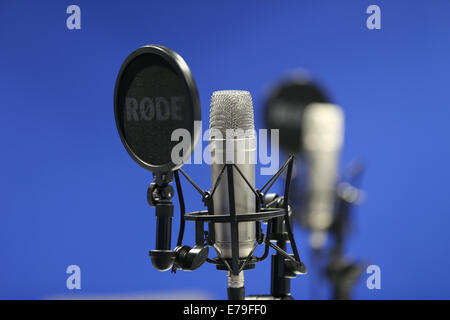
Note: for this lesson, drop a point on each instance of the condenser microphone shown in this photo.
(233, 141)
(313, 128)
(322, 139)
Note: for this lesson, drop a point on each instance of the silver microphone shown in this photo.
(323, 135)
(233, 141)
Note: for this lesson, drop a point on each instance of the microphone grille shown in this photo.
(231, 109)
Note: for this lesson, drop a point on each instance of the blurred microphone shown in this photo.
(232, 140)
(322, 135)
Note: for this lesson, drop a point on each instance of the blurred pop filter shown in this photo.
(284, 109)
(154, 95)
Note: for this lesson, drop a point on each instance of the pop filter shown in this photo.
(154, 95)
(284, 109)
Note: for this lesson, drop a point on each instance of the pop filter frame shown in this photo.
(294, 92)
(179, 66)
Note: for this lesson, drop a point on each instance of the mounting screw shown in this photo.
(151, 194)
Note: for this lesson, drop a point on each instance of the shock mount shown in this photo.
(271, 209)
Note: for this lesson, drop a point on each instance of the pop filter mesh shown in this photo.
(153, 101)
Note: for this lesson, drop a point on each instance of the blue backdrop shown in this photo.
(70, 194)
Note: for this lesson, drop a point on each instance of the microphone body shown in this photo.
(323, 131)
(232, 140)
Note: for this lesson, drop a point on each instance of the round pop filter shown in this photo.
(155, 94)
(284, 109)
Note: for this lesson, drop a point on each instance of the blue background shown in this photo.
(70, 194)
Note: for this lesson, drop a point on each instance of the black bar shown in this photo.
(189, 309)
(276, 175)
(192, 182)
(219, 177)
(182, 208)
(233, 223)
(281, 250)
(236, 293)
(247, 260)
(265, 215)
(199, 231)
(266, 249)
(280, 285)
(164, 226)
(246, 181)
(286, 206)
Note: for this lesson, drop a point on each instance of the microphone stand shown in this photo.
(159, 195)
(281, 267)
(342, 273)
(280, 280)
(280, 230)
